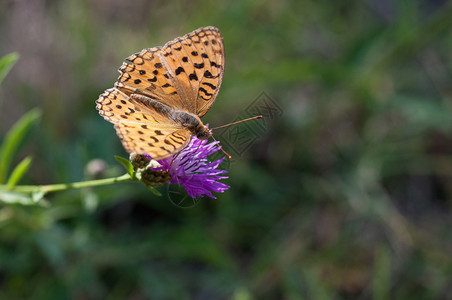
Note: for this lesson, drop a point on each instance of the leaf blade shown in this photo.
(126, 164)
(6, 64)
(19, 171)
(13, 139)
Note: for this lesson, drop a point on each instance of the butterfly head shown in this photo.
(203, 132)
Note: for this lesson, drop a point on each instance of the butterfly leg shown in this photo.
(174, 157)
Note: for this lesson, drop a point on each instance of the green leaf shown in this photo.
(13, 139)
(126, 164)
(6, 63)
(19, 171)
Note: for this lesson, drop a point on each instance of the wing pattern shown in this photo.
(184, 75)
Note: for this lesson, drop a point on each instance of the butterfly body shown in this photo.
(162, 93)
(187, 120)
(193, 123)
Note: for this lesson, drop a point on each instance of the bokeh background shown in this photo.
(345, 194)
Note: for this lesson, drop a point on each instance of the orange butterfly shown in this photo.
(162, 92)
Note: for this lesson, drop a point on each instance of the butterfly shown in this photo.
(162, 92)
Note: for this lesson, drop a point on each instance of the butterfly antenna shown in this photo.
(244, 120)
(233, 123)
(221, 148)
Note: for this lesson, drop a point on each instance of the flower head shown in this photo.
(193, 171)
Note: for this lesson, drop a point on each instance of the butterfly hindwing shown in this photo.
(157, 142)
(141, 129)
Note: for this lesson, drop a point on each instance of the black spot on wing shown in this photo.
(164, 149)
(169, 143)
(205, 92)
(179, 70)
(193, 76)
(210, 85)
(198, 66)
(214, 64)
(207, 74)
(178, 137)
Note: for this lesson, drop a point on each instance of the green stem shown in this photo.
(64, 186)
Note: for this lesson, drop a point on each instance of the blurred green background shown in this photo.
(345, 195)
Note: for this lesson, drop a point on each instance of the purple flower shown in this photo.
(193, 171)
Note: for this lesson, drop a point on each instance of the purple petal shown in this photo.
(194, 172)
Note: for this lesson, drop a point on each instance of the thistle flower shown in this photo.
(191, 169)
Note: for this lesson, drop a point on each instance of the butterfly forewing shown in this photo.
(184, 75)
(143, 73)
(195, 63)
(117, 107)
